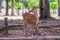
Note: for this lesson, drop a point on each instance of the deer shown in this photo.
(31, 17)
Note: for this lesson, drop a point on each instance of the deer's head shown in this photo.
(34, 10)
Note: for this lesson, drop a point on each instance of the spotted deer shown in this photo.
(31, 17)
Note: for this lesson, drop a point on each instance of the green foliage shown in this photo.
(54, 5)
(17, 5)
(33, 3)
(27, 3)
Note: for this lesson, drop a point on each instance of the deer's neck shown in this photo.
(35, 13)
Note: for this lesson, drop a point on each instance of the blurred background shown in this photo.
(17, 7)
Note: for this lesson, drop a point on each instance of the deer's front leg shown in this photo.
(33, 29)
(36, 28)
(25, 28)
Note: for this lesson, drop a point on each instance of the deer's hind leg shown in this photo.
(35, 30)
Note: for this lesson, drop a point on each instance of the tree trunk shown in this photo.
(18, 11)
(58, 7)
(12, 10)
(44, 9)
(41, 10)
(6, 7)
(0, 5)
(47, 9)
(6, 19)
(18, 8)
